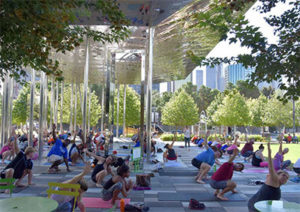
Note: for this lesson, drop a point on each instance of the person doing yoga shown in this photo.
(170, 153)
(205, 160)
(258, 159)
(221, 179)
(271, 189)
(102, 168)
(117, 184)
(278, 161)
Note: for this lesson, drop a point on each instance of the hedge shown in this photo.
(169, 137)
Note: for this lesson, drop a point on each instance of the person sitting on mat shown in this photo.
(21, 165)
(296, 168)
(102, 168)
(117, 184)
(278, 161)
(75, 151)
(205, 160)
(7, 150)
(58, 153)
(233, 146)
(247, 151)
(65, 203)
(170, 153)
(221, 179)
(270, 190)
(258, 159)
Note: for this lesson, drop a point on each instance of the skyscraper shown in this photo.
(236, 72)
(214, 77)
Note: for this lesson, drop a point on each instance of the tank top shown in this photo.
(98, 168)
(256, 161)
(108, 184)
(171, 153)
(265, 192)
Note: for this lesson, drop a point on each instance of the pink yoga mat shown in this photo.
(93, 202)
(258, 170)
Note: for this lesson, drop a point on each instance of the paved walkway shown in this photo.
(171, 187)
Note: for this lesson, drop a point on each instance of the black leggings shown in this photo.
(297, 170)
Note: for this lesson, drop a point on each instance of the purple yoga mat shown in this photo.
(258, 170)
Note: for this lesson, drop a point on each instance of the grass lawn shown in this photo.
(293, 154)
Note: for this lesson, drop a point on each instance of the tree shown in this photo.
(32, 30)
(181, 110)
(20, 107)
(233, 111)
(271, 61)
(191, 90)
(247, 90)
(206, 97)
(268, 91)
(133, 105)
(213, 107)
(95, 108)
(257, 111)
(297, 113)
(230, 86)
(277, 113)
(159, 101)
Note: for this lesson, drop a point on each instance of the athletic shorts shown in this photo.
(218, 184)
(196, 163)
(54, 158)
(107, 194)
(175, 158)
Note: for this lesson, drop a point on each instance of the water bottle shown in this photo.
(122, 205)
(215, 168)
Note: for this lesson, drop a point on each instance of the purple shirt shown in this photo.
(277, 161)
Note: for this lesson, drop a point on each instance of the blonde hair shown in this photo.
(29, 150)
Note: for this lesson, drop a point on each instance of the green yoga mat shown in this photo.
(202, 197)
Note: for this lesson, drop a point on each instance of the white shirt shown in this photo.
(297, 164)
(187, 133)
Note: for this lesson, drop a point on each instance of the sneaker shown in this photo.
(196, 205)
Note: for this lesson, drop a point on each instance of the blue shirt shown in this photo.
(63, 136)
(58, 149)
(207, 156)
(138, 144)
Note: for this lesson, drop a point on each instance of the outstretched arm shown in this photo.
(235, 152)
(16, 147)
(78, 177)
(246, 138)
(280, 144)
(99, 158)
(174, 139)
(272, 171)
(205, 140)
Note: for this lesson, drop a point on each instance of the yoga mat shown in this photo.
(182, 174)
(93, 202)
(63, 164)
(186, 196)
(173, 164)
(257, 170)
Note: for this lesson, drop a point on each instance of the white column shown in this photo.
(124, 111)
(85, 88)
(61, 107)
(71, 108)
(32, 89)
(41, 115)
(118, 110)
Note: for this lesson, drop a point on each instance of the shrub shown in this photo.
(169, 137)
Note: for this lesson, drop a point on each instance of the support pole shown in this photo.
(142, 110)
(102, 108)
(52, 103)
(124, 111)
(107, 98)
(45, 119)
(41, 115)
(118, 109)
(56, 104)
(112, 97)
(85, 89)
(89, 111)
(32, 88)
(10, 106)
(71, 108)
(4, 113)
(75, 109)
(149, 93)
(61, 107)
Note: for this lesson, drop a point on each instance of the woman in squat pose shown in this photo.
(271, 189)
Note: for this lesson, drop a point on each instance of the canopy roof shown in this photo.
(173, 38)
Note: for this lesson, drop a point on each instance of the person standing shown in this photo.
(187, 137)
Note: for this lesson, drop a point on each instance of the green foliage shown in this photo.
(133, 105)
(297, 113)
(212, 108)
(206, 97)
(270, 60)
(20, 107)
(31, 30)
(257, 111)
(277, 113)
(170, 137)
(181, 110)
(95, 107)
(159, 101)
(247, 90)
(232, 111)
(268, 91)
(258, 138)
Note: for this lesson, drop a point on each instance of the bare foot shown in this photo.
(98, 185)
(51, 171)
(216, 193)
(234, 191)
(200, 181)
(30, 184)
(221, 197)
(7, 191)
